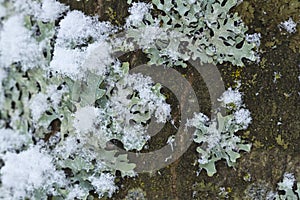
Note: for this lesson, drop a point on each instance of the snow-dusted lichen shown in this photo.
(65, 97)
(217, 137)
(286, 188)
(62, 105)
(30, 174)
(203, 30)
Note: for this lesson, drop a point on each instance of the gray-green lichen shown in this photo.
(185, 30)
(217, 141)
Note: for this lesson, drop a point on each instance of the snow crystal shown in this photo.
(134, 137)
(254, 38)
(38, 105)
(147, 36)
(28, 171)
(11, 140)
(243, 117)
(199, 118)
(148, 99)
(137, 13)
(289, 25)
(104, 184)
(76, 192)
(231, 97)
(17, 45)
(68, 147)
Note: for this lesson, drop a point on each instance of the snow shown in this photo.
(48, 10)
(98, 58)
(289, 25)
(11, 140)
(85, 118)
(199, 118)
(55, 95)
(231, 96)
(121, 104)
(104, 184)
(288, 181)
(67, 62)
(76, 29)
(243, 117)
(146, 36)
(67, 148)
(28, 171)
(51, 10)
(76, 192)
(75, 62)
(17, 45)
(254, 38)
(3, 75)
(73, 55)
(2, 11)
(137, 13)
(38, 106)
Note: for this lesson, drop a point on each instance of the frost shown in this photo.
(28, 171)
(289, 25)
(3, 75)
(69, 147)
(137, 13)
(17, 45)
(104, 184)
(55, 95)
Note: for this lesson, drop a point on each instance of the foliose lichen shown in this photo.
(185, 30)
(216, 137)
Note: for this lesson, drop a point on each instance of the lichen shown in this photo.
(203, 30)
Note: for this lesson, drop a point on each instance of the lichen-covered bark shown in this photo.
(275, 108)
